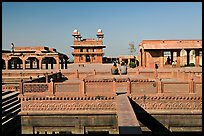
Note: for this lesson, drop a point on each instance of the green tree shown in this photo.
(132, 48)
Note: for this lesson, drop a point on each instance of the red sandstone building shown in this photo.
(33, 57)
(184, 52)
(88, 50)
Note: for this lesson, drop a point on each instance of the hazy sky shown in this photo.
(52, 23)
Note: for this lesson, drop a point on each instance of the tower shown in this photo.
(99, 35)
(76, 35)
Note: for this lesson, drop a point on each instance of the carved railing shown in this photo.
(10, 88)
(112, 86)
(169, 102)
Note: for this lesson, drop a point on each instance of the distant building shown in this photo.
(88, 50)
(184, 52)
(33, 57)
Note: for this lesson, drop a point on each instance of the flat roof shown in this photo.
(171, 44)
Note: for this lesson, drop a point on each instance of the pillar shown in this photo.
(24, 65)
(65, 63)
(128, 86)
(159, 86)
(21, 86)
(6, 64)
(94, 72)
(52, 64)
(144, 59)
(197, 58)
(191, 86)
(62, 64)
(178, 58)
(57, 61)
(15, 64)
(31, 64)
(46, 78)
(83, 87)
(40, 63)
(77, 73)
(51, 87)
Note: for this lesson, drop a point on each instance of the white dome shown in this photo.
(75, 30)
(99, 31)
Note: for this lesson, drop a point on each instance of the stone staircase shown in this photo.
(10, 109)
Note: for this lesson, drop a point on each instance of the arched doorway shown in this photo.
(183, 57)
(15, 63)
(192, 57)
(32, 63)
(48, 63)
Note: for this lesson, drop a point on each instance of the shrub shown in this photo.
(191, 64)
(132, 65)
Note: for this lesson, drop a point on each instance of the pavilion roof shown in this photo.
(171, 44)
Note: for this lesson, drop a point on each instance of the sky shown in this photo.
(51, 24)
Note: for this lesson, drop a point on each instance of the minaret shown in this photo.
(76, 35)
(99, 35)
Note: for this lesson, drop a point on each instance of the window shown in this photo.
(81, 50)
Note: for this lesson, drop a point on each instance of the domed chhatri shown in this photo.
(75, 31)
(99, 30)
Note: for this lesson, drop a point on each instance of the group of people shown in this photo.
(121, 70)
(168, 61)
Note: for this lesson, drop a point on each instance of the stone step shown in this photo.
(10, 109)
(5, 92)
(10, 116)
(11, 103)
(9, 96)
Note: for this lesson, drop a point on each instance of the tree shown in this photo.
(132, 48)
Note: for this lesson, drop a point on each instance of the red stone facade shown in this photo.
(88, 50)
(152, 52)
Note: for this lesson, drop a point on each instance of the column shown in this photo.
(52, 64)
(6, 64)
(178, 58)
(197, 58)
(143, 59)
(58, 65)
(65, 63)
(46, 78)
(128, 86)
(114, 86)
(159, 86)
(31, 64)
(40, 63)
(62, 64)
(24, 64)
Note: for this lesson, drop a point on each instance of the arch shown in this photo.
(48, 62)
(183, 57)
(3, 64)
(32, 63)
(192, 57)
(63, 61)
(15, 63)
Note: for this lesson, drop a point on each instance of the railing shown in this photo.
(111, 87)
(10, 88)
